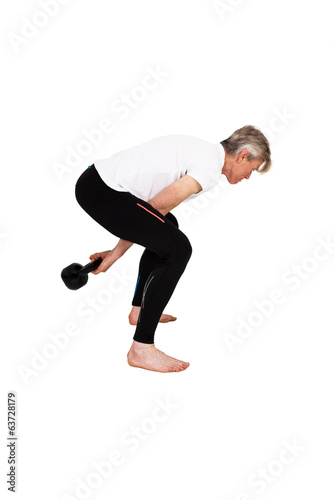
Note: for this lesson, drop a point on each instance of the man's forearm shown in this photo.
(122, 246)
(162, 210)
(174, 194)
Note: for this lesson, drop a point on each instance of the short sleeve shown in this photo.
(204, 170)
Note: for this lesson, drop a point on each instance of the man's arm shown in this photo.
(174, 194)
(122, 247)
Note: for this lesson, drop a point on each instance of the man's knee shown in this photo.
(180, 250)
(172, 218)
(185, 250)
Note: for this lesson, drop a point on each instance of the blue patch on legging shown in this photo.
(136, 287)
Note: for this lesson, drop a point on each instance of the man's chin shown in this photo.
(231, 181)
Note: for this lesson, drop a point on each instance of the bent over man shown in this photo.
(132, 193)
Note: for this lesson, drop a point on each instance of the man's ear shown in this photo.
(243, 155)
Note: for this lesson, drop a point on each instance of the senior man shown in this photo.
(132, 193)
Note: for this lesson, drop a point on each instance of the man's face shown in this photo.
(242, 169)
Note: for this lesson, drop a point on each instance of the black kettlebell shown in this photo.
(75, 275)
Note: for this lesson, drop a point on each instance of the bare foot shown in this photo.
(147, 356)
(134, 314)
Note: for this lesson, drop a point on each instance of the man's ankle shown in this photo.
(140, 346)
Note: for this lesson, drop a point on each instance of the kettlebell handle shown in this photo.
(91, 266)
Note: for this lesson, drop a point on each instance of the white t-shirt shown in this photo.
(148, 168)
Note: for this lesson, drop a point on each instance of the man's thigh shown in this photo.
(139, 222)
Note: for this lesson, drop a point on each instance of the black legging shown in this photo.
(167, 252)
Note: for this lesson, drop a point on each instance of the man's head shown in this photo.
(247, 149)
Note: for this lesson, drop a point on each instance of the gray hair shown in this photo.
(252, 139)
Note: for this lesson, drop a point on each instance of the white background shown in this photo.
(234, 408)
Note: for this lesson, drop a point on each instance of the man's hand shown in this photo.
(108, 259)
(110, 256)
(174, 194)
